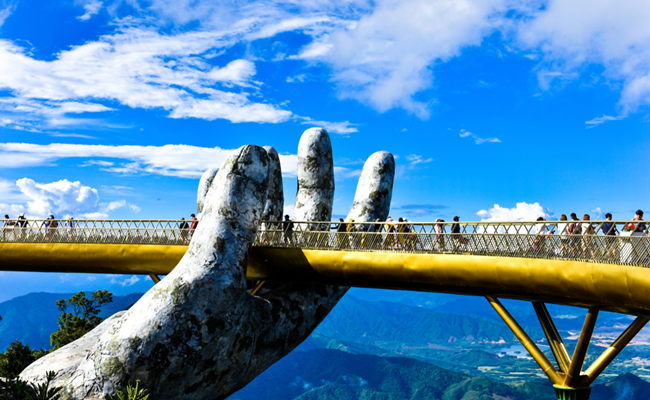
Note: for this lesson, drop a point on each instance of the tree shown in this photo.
(82, 319)
(15, 359)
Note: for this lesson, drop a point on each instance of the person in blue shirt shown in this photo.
(610, 231)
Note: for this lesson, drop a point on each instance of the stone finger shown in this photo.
(315, 194)
(204, 185)
(375, 189)
(274, 206)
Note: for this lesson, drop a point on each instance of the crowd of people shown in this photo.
(576, 237)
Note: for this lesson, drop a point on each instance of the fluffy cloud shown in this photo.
(571, 35)
(62, 199)
(92, 7)
(386, 57)
(139, 68)
(381, 53)
(522, 212)
(170, 160)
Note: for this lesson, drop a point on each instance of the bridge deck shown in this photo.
(510, 260)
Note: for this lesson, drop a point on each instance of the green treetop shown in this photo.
(82, 319)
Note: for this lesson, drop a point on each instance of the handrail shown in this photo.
(525, 239)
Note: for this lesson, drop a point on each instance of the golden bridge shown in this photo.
(539, 262)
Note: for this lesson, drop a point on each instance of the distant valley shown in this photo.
(460, 335)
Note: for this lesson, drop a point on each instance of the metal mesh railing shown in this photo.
(627, 242)
(614, 242)
(97, 231)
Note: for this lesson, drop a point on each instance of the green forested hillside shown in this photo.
(335, 375)
(32, 318)
(382, 323)
(331, 374)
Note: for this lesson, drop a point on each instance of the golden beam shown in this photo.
(553, 336)
(539, 357)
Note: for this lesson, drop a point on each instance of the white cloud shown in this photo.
(4, 14)
(342, 128)
(61, 199)
(415, 159)
(345, 173)
(91, 8)
(124, 281)
(297, 78)
(381, 53)
(386, 57)
(101, 163)
(572, 35)
(170, 160)
(598, 213)
(58, 198)
(138, 68)
(478, 140)
(522, 212)
(600, 120)
(10, 192)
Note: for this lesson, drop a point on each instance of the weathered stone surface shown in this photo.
(67, 359)
(198, 334)
(192, 335)
(375, 188)
(315, 177)
(204, 185)
(274, 207)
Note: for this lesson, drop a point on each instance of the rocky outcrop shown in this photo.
(198, 334)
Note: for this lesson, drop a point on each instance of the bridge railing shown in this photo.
(579, 240)
(155, 232)
(627, 243)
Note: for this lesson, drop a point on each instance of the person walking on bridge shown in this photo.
(588, 231)
(183, 226)
(21, 223)
(287, 228)
(455, 234)
(575, 229)
(636, 229)
(7, 225)
(609, 230)
(341, 234)
(563, 233)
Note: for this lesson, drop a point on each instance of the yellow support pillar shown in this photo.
(579, 354)
(553, 336)
(539, 357)
(612, 351)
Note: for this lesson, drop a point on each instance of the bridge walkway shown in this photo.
(541, 262)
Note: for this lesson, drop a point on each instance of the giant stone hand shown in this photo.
(199, 334)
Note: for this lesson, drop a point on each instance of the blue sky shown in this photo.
(113, 109)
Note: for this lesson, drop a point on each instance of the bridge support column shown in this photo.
(569, 382)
